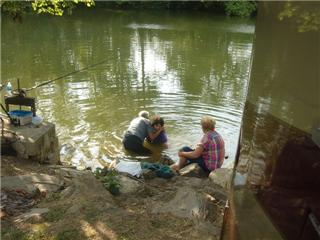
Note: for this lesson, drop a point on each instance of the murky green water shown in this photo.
(179, 65)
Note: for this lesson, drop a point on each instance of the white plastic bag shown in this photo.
(133, 168)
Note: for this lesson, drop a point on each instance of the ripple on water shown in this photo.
(181, 71)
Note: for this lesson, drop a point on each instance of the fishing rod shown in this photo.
(66, 75)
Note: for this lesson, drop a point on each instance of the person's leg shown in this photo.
(200, 162)
(133, 143)
(140, 149)
(182, 161)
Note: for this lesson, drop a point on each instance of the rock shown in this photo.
(192, 170)
(196, 183)
(128, 185)
(74, 209)
(16, 183)
(217, 192)
(221, 177)
(87, 183)
(166, 160)
(69, 172)
(206, 230)
(61, 166)
(17, 201)
(148, 174)
(66, 152)
(34, 213)
(67, 192)
(187, 203)
(30, 183)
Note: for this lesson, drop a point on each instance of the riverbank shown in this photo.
(75, 205)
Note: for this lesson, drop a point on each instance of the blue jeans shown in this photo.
(198, 160)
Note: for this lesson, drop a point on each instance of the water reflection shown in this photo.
(176, 65)
(279, 155)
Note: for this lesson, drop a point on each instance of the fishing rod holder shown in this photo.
(19, 98)
(20, 101)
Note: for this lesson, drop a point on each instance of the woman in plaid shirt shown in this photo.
(209, 153)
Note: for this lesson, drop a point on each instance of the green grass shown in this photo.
(54, 214)
(69, 234)
(12, 233)
(91, 214)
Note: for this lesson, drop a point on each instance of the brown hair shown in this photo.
(157, 120)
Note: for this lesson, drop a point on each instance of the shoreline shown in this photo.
(81, 206)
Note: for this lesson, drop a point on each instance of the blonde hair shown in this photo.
(144, 114)
(208, 123)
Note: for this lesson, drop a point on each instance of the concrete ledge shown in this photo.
(39, 143)
(247, 219)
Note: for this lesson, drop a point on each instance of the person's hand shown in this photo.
(180, 154)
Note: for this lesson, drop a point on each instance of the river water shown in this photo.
(180, 65)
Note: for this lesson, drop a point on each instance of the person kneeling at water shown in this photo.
(138, 130)
(209, 153)
(157, 123)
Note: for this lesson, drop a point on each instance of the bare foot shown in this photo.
(175, 167)
(112, 164)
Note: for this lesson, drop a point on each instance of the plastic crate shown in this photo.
(21, 117)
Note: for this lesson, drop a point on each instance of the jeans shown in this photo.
(198, 160)
(133, 143)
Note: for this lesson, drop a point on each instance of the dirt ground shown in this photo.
(84, 209)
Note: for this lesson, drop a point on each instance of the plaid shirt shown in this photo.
(212, 144)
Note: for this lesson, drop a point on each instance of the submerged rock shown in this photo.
(67, 151)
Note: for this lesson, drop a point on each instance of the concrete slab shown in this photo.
(39, 143)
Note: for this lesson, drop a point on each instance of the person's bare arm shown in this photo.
(194, 154)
